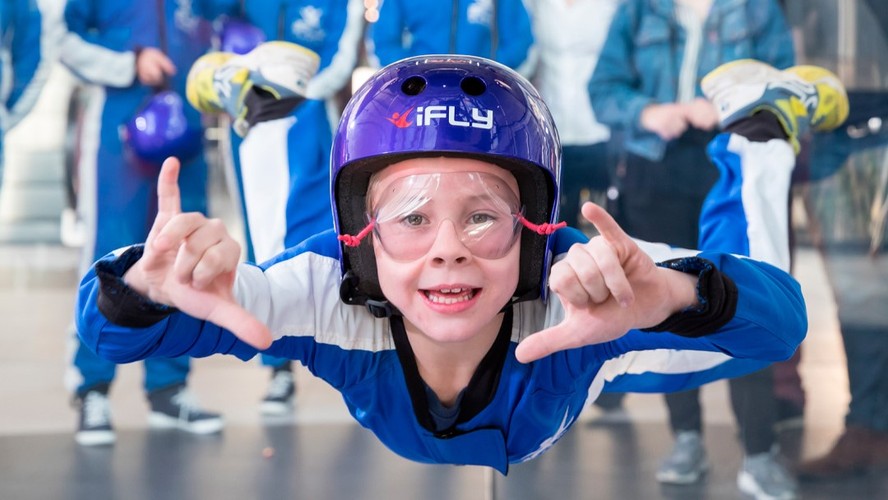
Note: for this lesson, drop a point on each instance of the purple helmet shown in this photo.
(445, 105)
(160, 129)
(239, 37)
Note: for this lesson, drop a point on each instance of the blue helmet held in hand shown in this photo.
(237, 36)
(160, 129)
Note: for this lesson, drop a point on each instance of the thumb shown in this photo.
(241, 323)
(546, 342)
(167, 65)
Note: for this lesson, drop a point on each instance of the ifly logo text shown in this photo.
(427, 115)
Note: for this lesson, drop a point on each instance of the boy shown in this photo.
(458, 357)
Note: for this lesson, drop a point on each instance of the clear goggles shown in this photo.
(407, 216)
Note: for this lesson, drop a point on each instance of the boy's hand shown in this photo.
(608, 286)
(190, 262)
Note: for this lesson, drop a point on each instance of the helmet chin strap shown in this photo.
(381, 308)
(350, 293)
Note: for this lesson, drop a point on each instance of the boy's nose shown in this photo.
(448, 245)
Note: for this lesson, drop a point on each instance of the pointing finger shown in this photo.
(607, 227)
(169, 201)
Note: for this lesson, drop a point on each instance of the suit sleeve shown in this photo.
(340, 55)
(89, 53)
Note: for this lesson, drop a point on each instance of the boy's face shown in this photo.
(447, 246)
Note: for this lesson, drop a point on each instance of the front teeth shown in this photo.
(465, 294)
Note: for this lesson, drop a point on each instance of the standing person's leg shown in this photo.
(858, 281)
(573, 180)
(265, 182)
(868, 379)
(583, 167)
(755, 409)
(112, 202)
(286, 189)
(89, 378)
(172, 405)
(661, 201)
(789, 392)
(788, 387)
(687, 462)
(685, 412)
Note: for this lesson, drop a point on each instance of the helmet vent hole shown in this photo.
(472, 85)
(413, 85)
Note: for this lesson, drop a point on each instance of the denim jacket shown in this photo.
(641, 59)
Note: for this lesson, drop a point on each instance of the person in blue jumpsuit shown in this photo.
(433, 306)
(495, 29)
(28, 43)
(299, 143)
(128, 49)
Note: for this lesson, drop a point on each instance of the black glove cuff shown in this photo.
(121, 304)
(716, 293)
(262, 106)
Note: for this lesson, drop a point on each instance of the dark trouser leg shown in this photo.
(867, 353)
(685, 413)
(787, 382)
(583, 167)
(755, 408)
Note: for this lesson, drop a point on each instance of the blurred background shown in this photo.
(839, 205)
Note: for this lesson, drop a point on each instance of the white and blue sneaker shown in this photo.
(802, 98)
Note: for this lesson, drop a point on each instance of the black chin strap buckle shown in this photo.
(380, 308)
(350, 294)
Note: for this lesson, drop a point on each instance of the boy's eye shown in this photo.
(481, 218)
(414, 219)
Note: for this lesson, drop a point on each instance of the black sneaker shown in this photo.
(281, 392)
(174, 408)
(95, 428)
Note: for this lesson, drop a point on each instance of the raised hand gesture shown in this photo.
(189, 262)
(608, 286)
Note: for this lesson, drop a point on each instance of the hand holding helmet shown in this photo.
(153, 67)
(266, 83)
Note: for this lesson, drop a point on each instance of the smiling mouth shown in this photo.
(448, 296)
